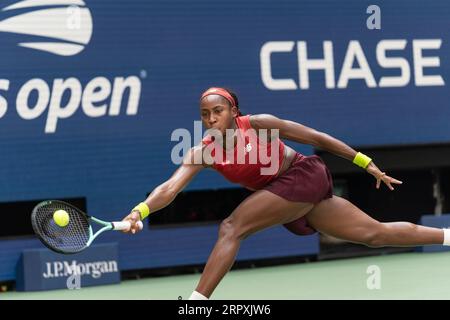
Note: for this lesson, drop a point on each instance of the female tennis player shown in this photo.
(294, 190)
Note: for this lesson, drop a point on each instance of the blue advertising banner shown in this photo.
(42, 269)
(91, 91)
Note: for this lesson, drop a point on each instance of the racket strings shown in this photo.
(71, 238)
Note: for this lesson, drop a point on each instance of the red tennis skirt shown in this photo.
(306, 180)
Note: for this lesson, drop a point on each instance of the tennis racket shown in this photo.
(77, 235)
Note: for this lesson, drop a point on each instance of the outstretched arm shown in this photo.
(166, 192)
(299, 133)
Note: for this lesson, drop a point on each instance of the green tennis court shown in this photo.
(402, 276)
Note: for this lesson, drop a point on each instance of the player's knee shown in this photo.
(376, 237)
(227, 229)
(230, 229)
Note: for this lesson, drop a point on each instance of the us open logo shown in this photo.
(61, 27)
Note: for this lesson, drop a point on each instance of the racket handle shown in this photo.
(125, 225)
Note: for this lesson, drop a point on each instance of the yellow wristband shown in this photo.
(143, 209)
(362, 160)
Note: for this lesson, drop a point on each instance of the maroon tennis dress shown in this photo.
(306, 180)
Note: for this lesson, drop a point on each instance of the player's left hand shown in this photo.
(381, 176)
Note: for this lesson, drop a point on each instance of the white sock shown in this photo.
(446, 237)
(197, 296)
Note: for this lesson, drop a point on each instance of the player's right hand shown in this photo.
(133, 218)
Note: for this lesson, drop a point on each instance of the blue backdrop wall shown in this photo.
(98, 123)
(90, 92)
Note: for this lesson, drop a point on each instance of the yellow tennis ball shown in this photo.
(61, 218)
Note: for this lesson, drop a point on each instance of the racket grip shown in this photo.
(125, 225)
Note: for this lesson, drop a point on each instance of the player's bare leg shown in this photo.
(260, 210)
(339, 218)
